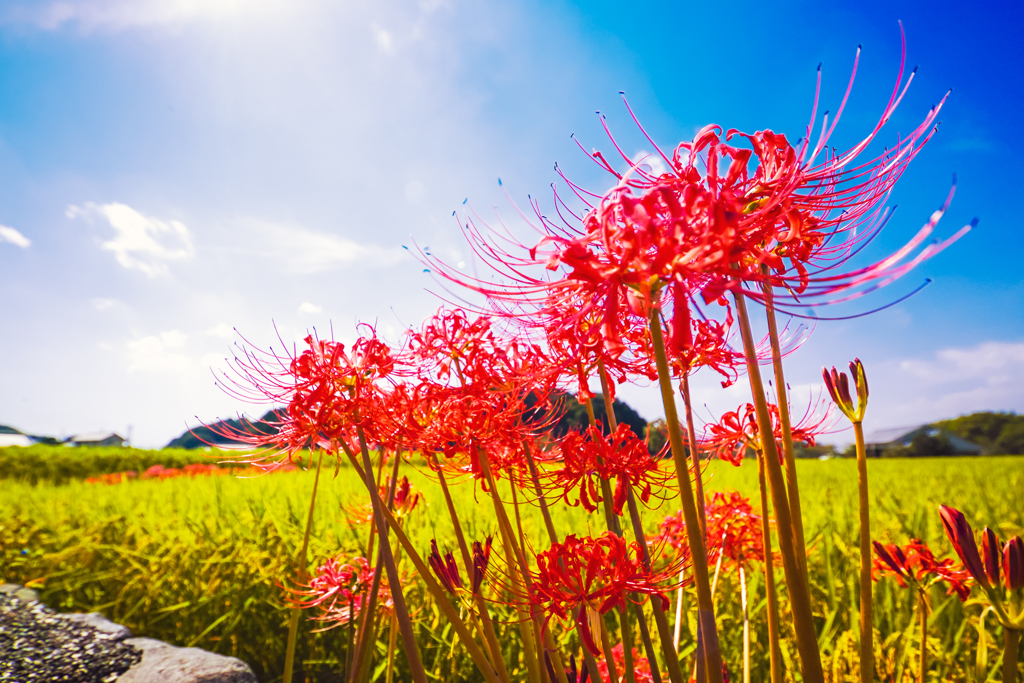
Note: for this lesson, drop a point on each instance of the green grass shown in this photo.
(198, 562)
(63, 464)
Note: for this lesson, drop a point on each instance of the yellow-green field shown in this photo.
(198, 561)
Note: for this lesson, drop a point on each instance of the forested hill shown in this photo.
(996, 433)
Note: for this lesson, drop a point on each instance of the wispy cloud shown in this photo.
(158, 353)
(952, 381)
(141, 242)
(304, 251)
(14, 237)
(116, 15)
(307, 307)
(651, 162)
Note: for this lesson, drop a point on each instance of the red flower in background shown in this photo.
(737, 430)
(914, 565)
(594, 575)
(591, 457)
(340, 590)
(328, 391)
(641, 667)
(733, 530)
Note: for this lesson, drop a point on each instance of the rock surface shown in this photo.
(163, 663)
(38, 644)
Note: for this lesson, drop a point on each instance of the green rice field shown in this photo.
(200, 561)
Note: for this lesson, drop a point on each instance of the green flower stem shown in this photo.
(612, 519)
(1011, 643)
(293, 624)
(588, 656)
(392, 641)
(541, 499)
(514, 554)
(799, 594)
(668, 649)
(746, 627)
(435, 589)
(671, 656)
(368, 616)
(412, 651)
(774, 652)
(922, 662)
(549, 645)
(698, 473)
(867, 650)
(490, 637)
(606, 647)
(782, 399)
(698, 554)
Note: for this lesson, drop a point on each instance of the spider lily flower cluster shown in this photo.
(649, 281)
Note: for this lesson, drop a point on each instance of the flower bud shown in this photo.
(990, 553)
(1013, 563)
(445, 569)
(481, 558)
(838, 385)
(962, 538)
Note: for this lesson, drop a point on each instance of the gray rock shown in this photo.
(163, 663)
(26, 595)
(97, 621)
(7, 588)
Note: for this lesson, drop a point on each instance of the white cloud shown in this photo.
(651, 162)
(101, 304)
(158, 353)
(116, 15)
(14, 237)
(141, 242)
(304, 251)
(953, 381)
(383, 39)
(307, 307)
(221, 330)
(415, 191)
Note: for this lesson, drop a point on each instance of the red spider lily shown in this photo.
(340, 591)
(737, 431)
(962, 538)
(594, 575)
(1013, 563)
(445, 569)
(588, 459)
(328, 391)
(733, 530)
(722, 216)
(481, 558)
(839, 389)
(641, 667)
(405, 501)
(914, 565)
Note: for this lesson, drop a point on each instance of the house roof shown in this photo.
(904, 435)
(95, 436)
(893, 434)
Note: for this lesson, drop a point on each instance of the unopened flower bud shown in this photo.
(481, 558)
(445, 569)
(1013, 563)
(990, 553)
(838, 386)
(962, 538)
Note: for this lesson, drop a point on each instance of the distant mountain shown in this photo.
(217, 434)
(996, 433)
(4, 429)
(571, 415)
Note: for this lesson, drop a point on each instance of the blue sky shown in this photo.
(173, 170)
